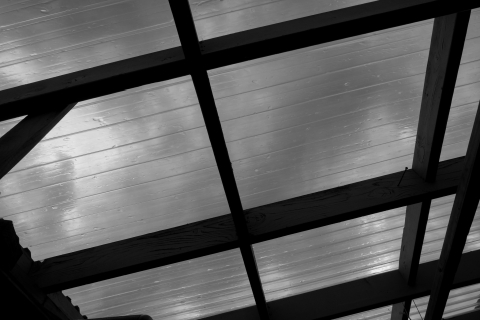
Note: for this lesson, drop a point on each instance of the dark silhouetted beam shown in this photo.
(448, 38)
(22, 138)
(226, 50)
(267, 222)
(463, 213)
(190, 44)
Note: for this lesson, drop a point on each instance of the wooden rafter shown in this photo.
(448, 37)
(223, 51)
(463, 213)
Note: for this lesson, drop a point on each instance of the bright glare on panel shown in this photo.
(190, 289)
(460, 301)
(115, 167)
(349, 250)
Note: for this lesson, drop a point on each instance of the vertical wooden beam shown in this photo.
(22, 138)
(188, 37)
(463, 212)
(448, 37)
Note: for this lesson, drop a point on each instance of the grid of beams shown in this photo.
(242, 228)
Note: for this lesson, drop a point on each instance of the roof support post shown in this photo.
(448, 38)
(188, 37)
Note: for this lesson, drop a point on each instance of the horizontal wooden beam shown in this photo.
(324, 27)
(360, 295)
(93, 82)
(223, 51)
(136, 254)
(350, 201)
(264, 223)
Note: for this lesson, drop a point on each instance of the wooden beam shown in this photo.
(225, 50)
(448, 38)
(93, 82)
(266, 222)
(16, 267)
(22, 138)
(360, 295)
(190, 44)
(463, 213)
(349, 202)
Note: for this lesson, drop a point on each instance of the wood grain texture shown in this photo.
(266, 222)
(137, 254)
(448, 38)
(349, 202)
(22, 138)
(463, 213)
(363, 294)
(225, 50)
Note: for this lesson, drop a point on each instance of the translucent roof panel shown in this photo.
(115, 167)
(466, 96)
(460, 301)
(349, 250)
(220, 17)
(337, 113)
(324, 116)
(42, 39)
(190, 289)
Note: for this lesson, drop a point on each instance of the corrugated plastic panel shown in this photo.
(187, 290)
(115, 167)
(460, 301)
(349, 250)
(219, 17)
(334, 114)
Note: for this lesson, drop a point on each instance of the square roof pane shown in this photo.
(44, 39)
(115, 167)
(349, 250)
(190, 289)
(324, 116)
